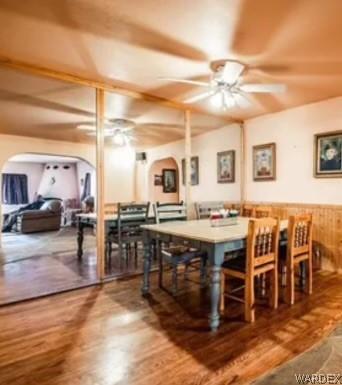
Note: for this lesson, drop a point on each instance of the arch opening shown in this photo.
(41, 198)
(163, 181)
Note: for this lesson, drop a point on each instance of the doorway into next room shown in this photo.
(163, 181)
(42, 196)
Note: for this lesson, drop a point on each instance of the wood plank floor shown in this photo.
(33, 265)
(111, 335)
(37, 264)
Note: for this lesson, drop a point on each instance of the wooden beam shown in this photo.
(187, 123)
(112, 87)
(243, 163)
(100, 226)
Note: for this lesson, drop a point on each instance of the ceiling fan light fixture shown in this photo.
(228, 100)
(217, 100)
(119, 138)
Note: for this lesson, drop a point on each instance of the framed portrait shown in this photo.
(169, 180)
(226, 167)
(194, 164)
(264, 162)
(328, 155)
(158, 180)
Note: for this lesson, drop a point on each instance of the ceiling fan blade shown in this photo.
(200, 97)
(107, 132)
(241, 100)
(272, 88)
(185, 81)
(231, 71)
(86, 127)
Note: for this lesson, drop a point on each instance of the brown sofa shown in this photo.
(47, 218)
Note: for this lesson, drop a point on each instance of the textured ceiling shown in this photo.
(38, 158)
(132, 43)
(44, 108)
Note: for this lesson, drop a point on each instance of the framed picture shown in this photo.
(169, 180)
(194, 170)
(264, 162)
(328, 155)
(226, 167)
(158, 180)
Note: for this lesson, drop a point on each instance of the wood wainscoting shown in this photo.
(327, 229)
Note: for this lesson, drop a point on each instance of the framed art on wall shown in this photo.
(158, 180)
(169, 180)
(264, 162)
(194, 170)
(328, 155)
(226, 167)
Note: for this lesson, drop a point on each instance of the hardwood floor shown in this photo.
(33, 265)
(37, 264)
(111, 335)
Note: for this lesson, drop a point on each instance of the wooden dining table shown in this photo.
(216, 241)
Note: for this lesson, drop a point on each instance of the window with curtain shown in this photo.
(86, 187)
(14, 189)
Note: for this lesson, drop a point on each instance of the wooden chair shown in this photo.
(180, 254)
(165, 212)
(204, 209)
(261, 257)
(128, 230)
(262, 212)
(299, 251)
(248, 211)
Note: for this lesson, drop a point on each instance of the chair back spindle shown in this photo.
(300, 235)
(262, 212)
(263, 239)
(248, 211)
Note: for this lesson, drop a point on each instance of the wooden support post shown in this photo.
(100, 226)
(243, 164)
(187, 122)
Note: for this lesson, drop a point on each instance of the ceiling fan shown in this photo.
(226, 88)
(118, 129)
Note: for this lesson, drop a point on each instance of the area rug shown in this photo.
(313, 366)
(17, 247)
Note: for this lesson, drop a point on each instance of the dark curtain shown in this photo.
(14, 189)
(86, 187)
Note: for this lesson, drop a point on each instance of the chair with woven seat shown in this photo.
(299, 252)
(128, 230)
(261, 258)
(165, 212)
(180, 254)
(177, 255)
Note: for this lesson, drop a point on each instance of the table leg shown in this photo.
(108, 245)
(80, 237)
(147, 263)
(216, 258)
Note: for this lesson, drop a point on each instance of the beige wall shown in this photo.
(293, 131)
(205, 147)
(156, 193)
(119, 162)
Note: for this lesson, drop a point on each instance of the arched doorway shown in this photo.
(157, 190)
(42, 196)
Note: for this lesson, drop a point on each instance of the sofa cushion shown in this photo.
(37, 214)
(52, 205)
